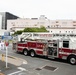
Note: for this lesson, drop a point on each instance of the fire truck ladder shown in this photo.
(26, 36)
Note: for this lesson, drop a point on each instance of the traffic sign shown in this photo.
(6, 43)
(6, 33)
(7, 37)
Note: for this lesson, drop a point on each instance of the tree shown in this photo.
(18, 32)
(41, 29)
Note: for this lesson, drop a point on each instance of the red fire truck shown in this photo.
(51, 47)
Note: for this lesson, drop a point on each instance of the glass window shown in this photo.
(63, 34)
(55, 44)
(66, 44)
(74, 21)
(56, 21)
(60, 31)
(48, 26)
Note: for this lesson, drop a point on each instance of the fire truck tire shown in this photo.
(32, 53)
(25, 52)
(72, 60)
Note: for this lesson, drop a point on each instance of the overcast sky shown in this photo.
(52, 9)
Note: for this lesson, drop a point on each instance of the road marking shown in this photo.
(20, 68)
(14, 72)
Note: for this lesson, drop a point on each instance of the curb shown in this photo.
(14, 60)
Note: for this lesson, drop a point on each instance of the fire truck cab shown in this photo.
(63, 48)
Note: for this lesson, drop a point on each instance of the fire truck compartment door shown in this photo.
(53, 50)
(45, 49)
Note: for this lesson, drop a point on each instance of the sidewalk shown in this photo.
(13, 63)
(3, 68)
(13, 60)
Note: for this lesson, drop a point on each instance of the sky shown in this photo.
(52, 9)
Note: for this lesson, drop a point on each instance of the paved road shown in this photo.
(36, 66)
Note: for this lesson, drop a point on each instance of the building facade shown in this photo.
(21, 23)
(5, 17)
(0, 22)
(62, 26)
(53, 26)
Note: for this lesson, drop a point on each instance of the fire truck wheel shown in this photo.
(25, 52)
(72, 60)
(32, 53)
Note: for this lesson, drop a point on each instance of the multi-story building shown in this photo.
(53, 26)
(62, 26)
(0, 22)
(21, 23)
(5, 17)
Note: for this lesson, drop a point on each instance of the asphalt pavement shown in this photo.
(10, 67)
(13, 64)
(35, 65)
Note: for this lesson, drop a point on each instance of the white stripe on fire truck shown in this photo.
(22, 47)
(65, 53)
(31, 48)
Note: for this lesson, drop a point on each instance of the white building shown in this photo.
(62, 26)
(21, 23)
(0, 21)
(53, 26)
(2, 30)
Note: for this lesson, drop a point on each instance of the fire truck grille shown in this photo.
(50, 68)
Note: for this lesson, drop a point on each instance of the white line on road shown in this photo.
(14, 72)
(20, 68)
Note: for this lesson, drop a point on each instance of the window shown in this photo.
(74, 21)
(48, 26)
(63, 34)
(69, 31)
(74, 25)
(57, 25)
(55, 44)
(66, 44)
(35, 25)
(60, 31)
(56, 21)
(66, 31)
(57, 34)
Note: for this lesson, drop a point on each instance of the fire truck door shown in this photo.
(53, 50)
